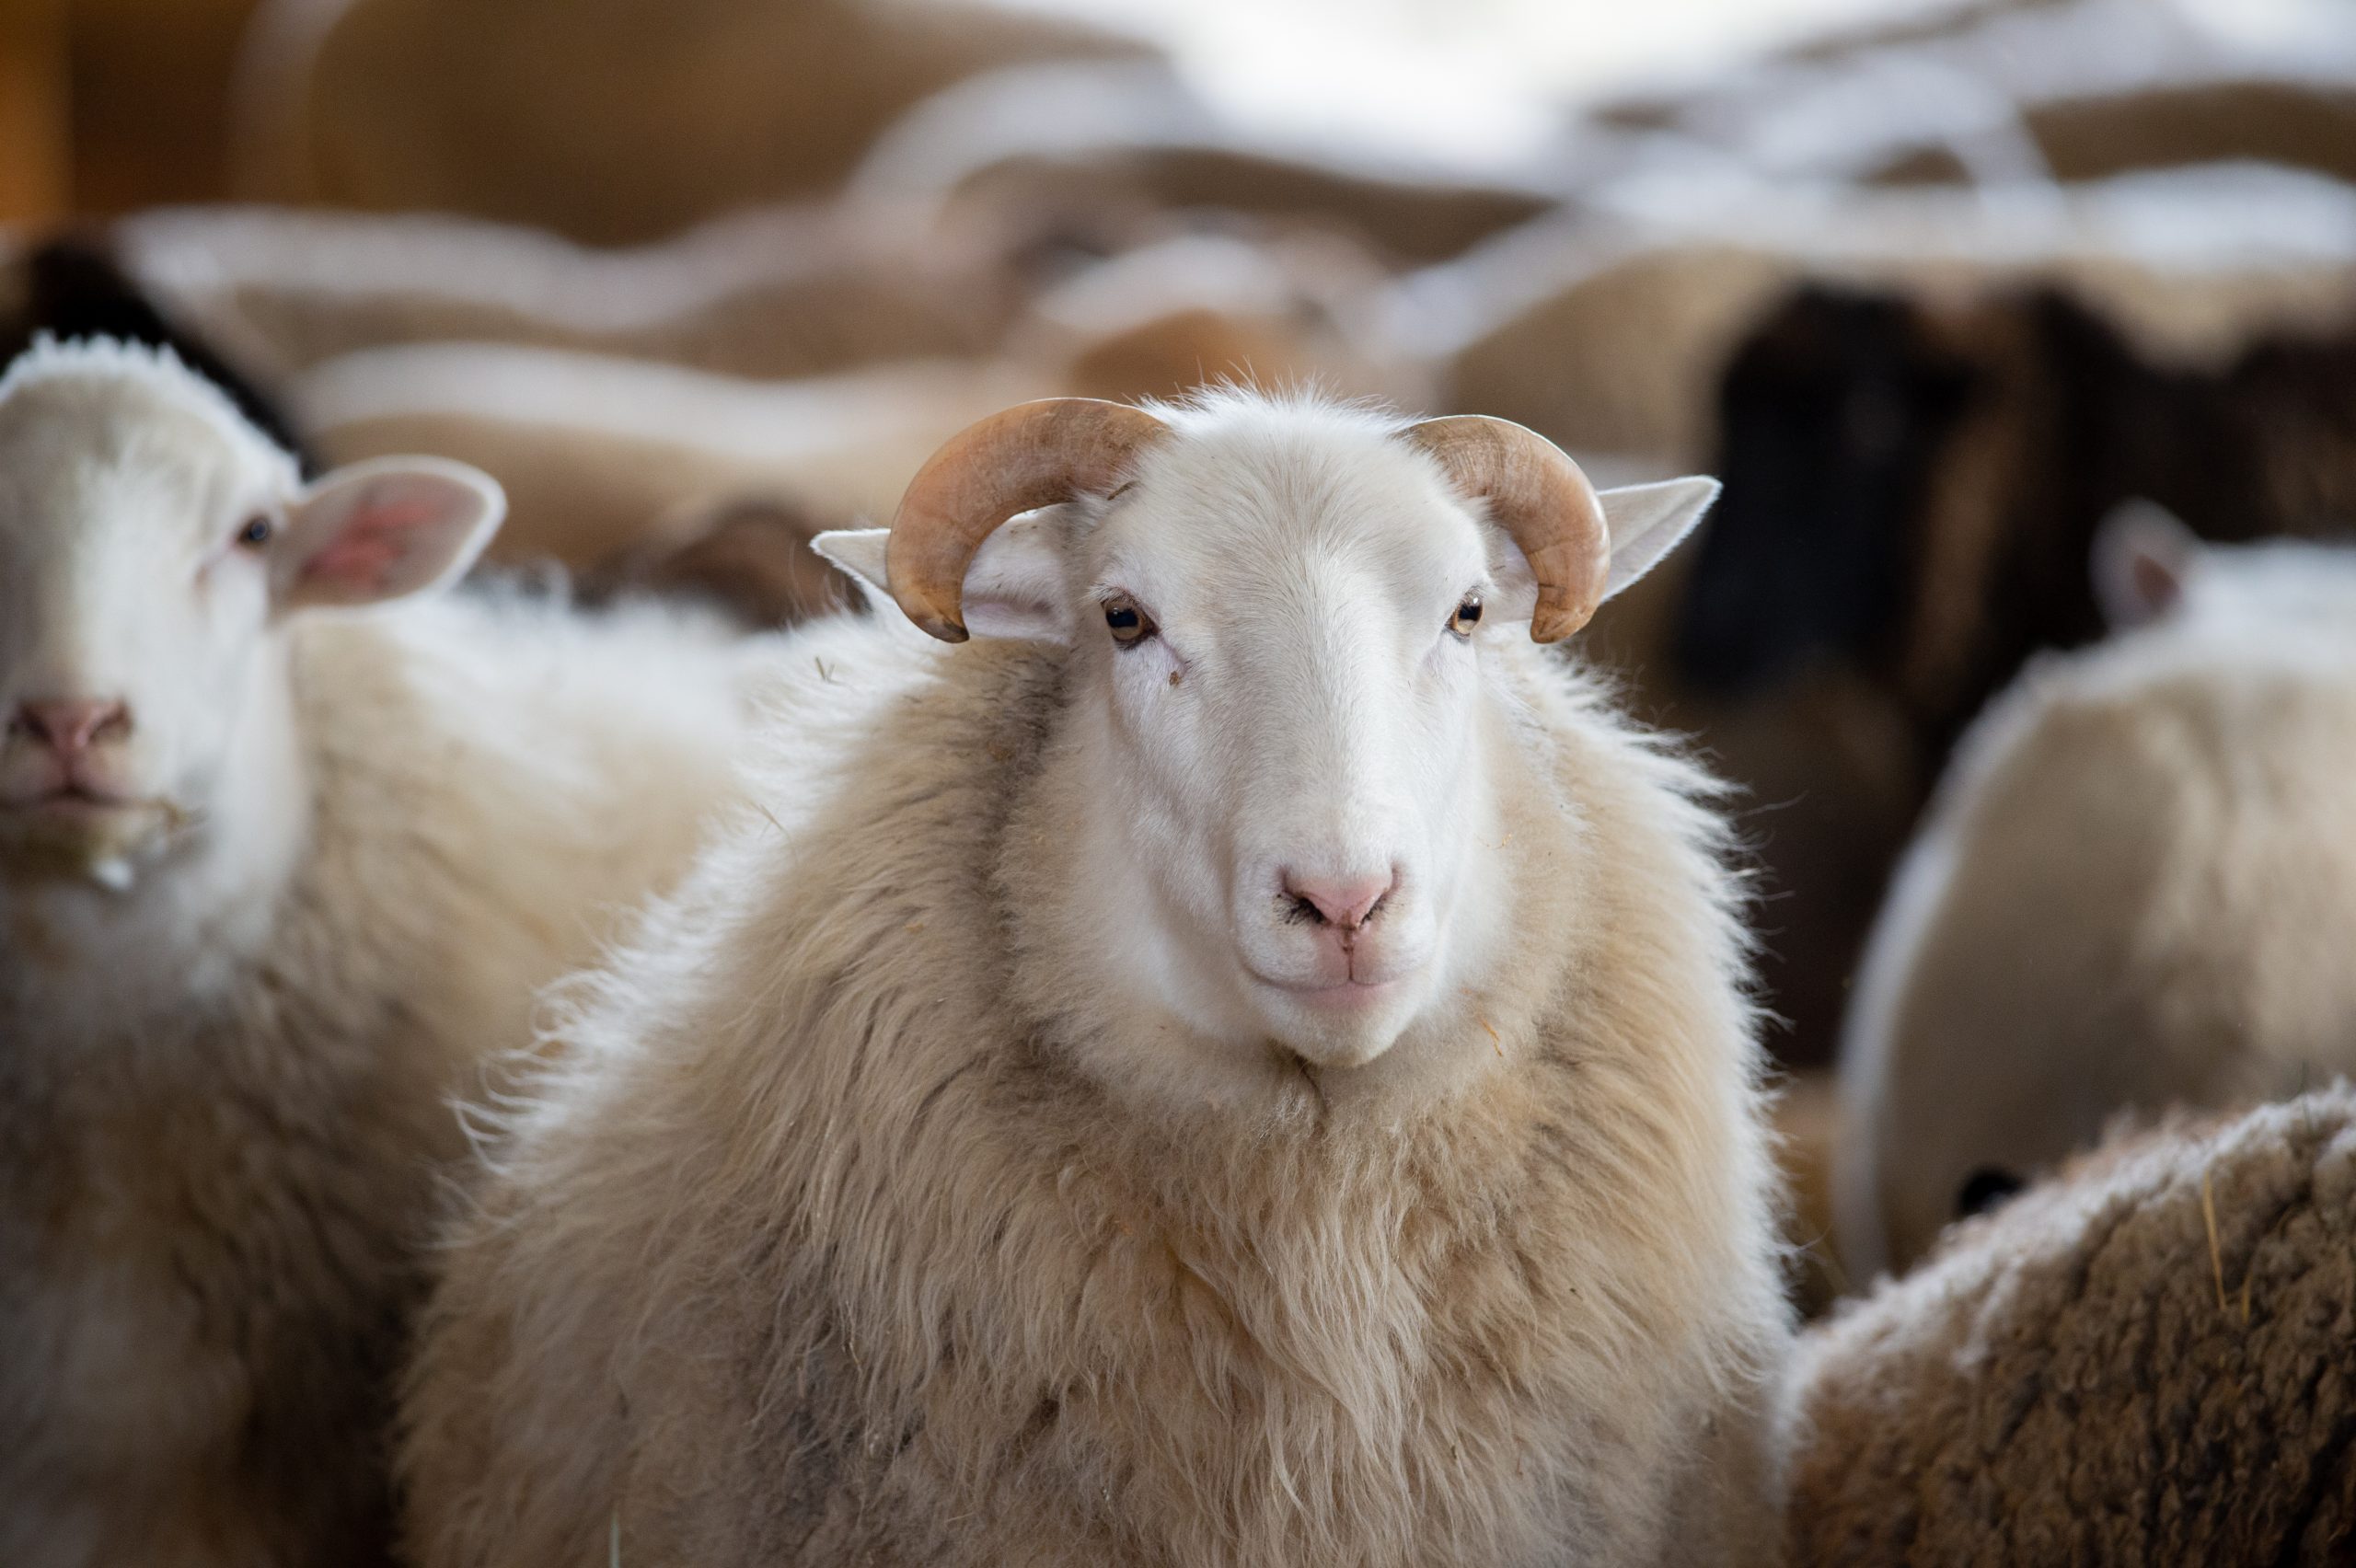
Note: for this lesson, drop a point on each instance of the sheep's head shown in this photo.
(1282, 618)
(151, 547)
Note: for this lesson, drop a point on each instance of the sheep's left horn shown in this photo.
(1030, 455)
(1539, 497)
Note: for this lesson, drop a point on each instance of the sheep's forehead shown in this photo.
(80, 452)
(1247, 512)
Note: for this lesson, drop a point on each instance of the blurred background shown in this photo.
(1934, 286)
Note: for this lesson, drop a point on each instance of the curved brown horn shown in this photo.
(1536, 495)
(1030, 455)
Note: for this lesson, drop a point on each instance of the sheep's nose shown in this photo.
(70, 727)
(1344, 902)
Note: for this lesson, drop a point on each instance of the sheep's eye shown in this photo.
(1467, 617)
(1128, 624)
(1983, 1190)
(256, 533)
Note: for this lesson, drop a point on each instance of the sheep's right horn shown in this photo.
(1030, 455)
(1538, 496)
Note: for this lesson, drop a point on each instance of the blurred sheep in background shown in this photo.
(636, 119)
(2143, 1360)
(1934, 291)
(2135, 891)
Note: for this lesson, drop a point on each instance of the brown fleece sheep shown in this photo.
(611, 122)
(1095, 149)
(2150, 1359)
(773, 292)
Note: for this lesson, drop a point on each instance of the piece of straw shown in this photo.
(2216, 1257)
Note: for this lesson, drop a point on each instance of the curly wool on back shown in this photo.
(2094, 1374)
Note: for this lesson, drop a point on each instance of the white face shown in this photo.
(1286, 685)
(150, 545)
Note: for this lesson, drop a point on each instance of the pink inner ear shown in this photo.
(2158, 583)
(372, 543)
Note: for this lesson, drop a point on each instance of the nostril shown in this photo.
(71, 726)
(1345, 902)
(114, 724)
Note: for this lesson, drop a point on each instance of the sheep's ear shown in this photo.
(384, 529)
(1649, 521)
(857, 553)
(2143, 556)
(1014, 589)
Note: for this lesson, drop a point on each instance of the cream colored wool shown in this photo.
(774, 292)
(594, 450)
(820, 1243)
(2136, 889)
(2093, 1376)
(219, 1164)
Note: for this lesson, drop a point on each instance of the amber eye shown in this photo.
(1128, 624)
(1467, 617)
(256, 533)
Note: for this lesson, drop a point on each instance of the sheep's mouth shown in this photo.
(1338, 996)
(81, 800)
(74, 831)
(1379, 982)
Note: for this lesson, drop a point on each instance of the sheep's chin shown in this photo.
(1342, 1028)
(100, 848)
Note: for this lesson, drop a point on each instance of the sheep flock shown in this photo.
(835, 782)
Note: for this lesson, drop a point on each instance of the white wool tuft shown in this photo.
(155, 369)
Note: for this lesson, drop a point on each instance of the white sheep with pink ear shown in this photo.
(282, 860)
(1242, 1060)
(2135, 890)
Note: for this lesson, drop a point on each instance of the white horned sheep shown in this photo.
(2136, 889)
(2144, 1360)
(277, 870)
(1245, 1063)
